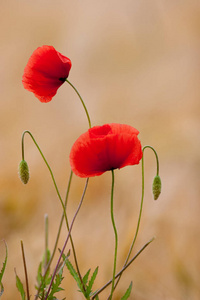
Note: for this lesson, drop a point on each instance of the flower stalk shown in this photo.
(122, 270)
(83, 103)
(141, 208)
(66, 241)
(115, 232)
(48, 166)
(63, 206)
(100, 149)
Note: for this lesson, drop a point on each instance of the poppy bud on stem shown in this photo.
(140, 212)
(52, 176)
(24, 171)
(61, 201)
(156, 186)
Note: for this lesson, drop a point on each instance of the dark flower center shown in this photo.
(62, 79)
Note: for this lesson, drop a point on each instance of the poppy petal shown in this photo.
(45, 72)
(104, 148)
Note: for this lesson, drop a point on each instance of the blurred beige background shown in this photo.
(134, 62)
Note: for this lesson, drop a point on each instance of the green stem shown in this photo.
(138, 224)
(62, 218)
(63, 205)
(84, 106)
(141, 207)
(58, 235)
(66, 241)
(127, 264)
(52, 176)
(46, 220)
(156, 155)
(116, 235)
(71, 240)
(123, 269)
(89, 122)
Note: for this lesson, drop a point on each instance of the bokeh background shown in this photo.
(134, 62)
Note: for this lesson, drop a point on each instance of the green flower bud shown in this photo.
(24, 171)
(156, 187)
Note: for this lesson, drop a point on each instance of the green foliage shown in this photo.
(55, 288)
(74, 275)
(3, 270)
(84, 287)
(46, 257)
(128, 292)
(20, 288)
(91, 282)
(43, 282)
(85, 278)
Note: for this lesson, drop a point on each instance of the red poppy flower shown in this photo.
(104, 148)
(45, 72)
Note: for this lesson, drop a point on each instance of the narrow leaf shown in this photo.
(4, 264)
(56, 286)
(85, 278)
(74, 274)
(91, 282)
(20, 287)
(71, 269)
(65, 258)
(128, 292)
(46, 257)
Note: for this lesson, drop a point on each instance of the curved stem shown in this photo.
(126, 264)
(63, 206)
(84, 106)
(52, 176)
(156, 155)
(66, 241)
(138, 224)
(141, 207)
(116, 235)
